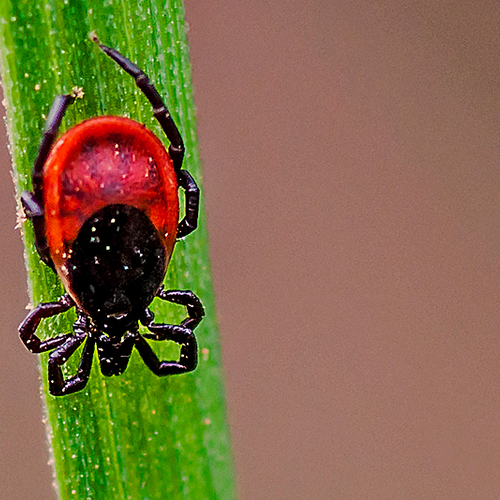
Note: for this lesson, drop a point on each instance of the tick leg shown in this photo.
(160, 110)
(176, 148)
(57, 385)
(31, 206)
(28, 327)
(33, 202)
(52, 124)
(192, 193)
(183, 336)
(185, 298)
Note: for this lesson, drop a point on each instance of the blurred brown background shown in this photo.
(352, 183)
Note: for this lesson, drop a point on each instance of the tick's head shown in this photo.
(118, 315)
(118, 262)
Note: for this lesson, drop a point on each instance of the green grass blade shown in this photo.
(134, 436)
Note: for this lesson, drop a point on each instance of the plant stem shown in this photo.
(137, 435)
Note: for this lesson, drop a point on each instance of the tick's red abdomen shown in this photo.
(105, 161)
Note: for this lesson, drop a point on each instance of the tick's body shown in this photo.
(105, 161)
(105, 212)
(112, 211)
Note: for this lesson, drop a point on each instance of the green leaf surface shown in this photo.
(136, 436)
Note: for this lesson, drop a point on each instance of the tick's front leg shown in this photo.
(57, 385)
(185, 298)
(180, 335)
(28, 327)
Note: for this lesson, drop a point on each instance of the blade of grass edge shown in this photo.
(134, 436)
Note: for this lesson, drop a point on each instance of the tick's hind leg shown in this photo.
(33, 201)
(176, 148)
(160, 111)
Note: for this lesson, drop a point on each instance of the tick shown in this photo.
(105, 214)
